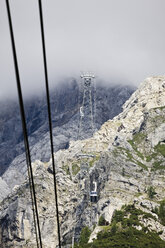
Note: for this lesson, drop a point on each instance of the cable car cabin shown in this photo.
(81, 112)
(93, 196)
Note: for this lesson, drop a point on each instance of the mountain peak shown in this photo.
(150, 94)
(125, 158)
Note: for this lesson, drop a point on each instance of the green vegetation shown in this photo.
(160, 148)
(148, 215)
(151, 156)
(138, 138)
(137, 141)
(157, 166)
(96, 158)
(161, 212)
(102, 221)
(84, 237)
(129, 155)
(66, 169)
(138, 194)
(132, 159)
(120, 150)
(160, 108)
(135, 149)
(116, 152)
(122, 231)
(75, 169)
(85, 234)
(114, 228)
(76, 164)
(151, 192)
(141, 164)
(155, 210)
(127, 152)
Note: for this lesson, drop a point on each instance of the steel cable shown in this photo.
(26, 142)
(49, 115)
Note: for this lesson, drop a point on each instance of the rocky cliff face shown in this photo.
(66, 99)
(126, 158)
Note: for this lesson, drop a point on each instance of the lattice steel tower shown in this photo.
(88, 107)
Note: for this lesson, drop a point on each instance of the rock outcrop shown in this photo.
(66, 99)
(126, 158)
(4, 189)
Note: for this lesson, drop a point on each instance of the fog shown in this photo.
(121, 41)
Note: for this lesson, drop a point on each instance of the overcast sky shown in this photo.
(120, 40)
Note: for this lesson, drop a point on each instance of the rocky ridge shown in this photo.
(66, 99)
(126, 157)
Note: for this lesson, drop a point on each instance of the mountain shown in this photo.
(66, 100)
(126, 159)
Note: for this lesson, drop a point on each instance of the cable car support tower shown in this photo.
(88, 107)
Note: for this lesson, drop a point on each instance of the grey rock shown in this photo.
(4, 189)
(123, 174)
(65, 99)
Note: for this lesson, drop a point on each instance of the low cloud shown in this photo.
(120, 41)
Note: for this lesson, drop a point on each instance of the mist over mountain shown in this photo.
(120, 40)
(66, 99)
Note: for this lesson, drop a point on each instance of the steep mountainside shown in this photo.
(65, 101)
(126, 158)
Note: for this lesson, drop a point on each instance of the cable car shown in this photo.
(81, 112)
(93, 193)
